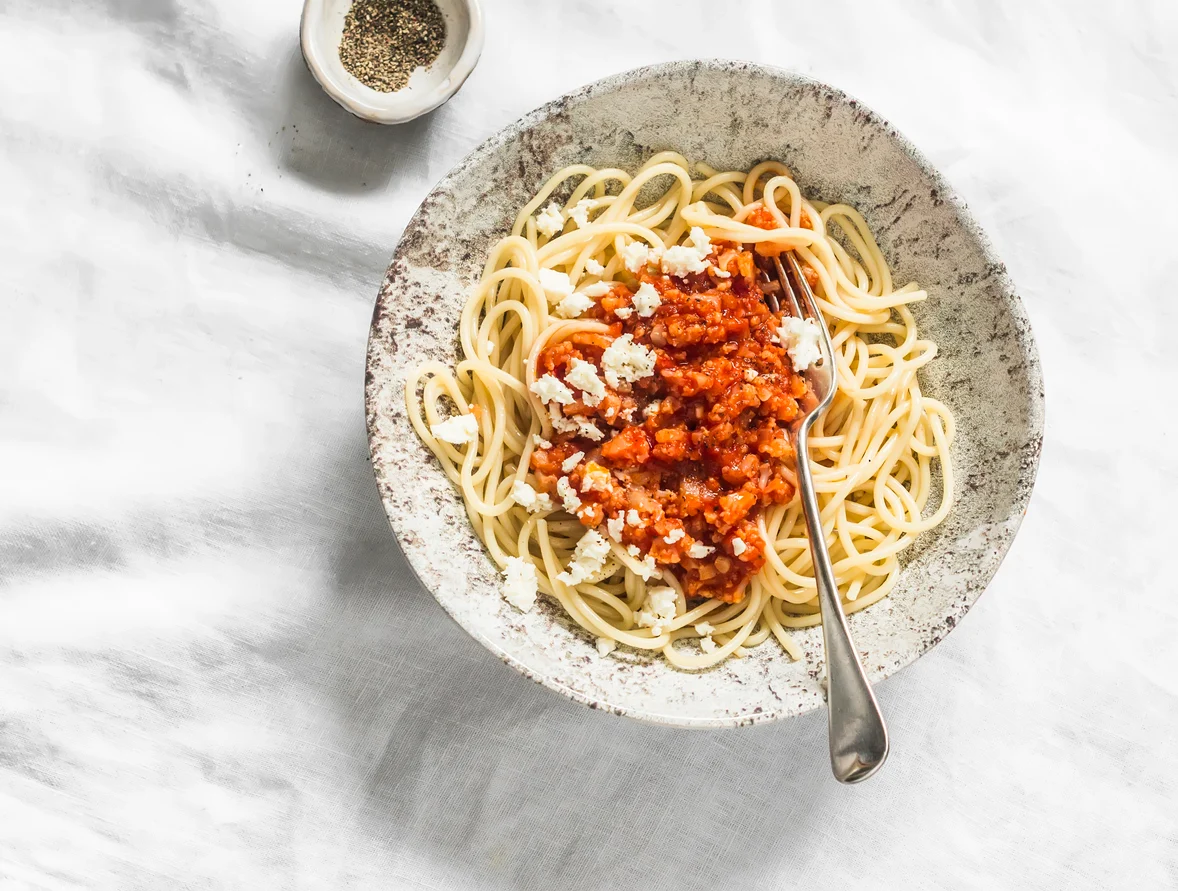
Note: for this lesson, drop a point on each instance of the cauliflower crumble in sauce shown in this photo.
(716, 449)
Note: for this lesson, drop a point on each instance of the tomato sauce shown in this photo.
(697, 450)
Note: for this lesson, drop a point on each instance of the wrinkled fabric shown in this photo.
(217, 671)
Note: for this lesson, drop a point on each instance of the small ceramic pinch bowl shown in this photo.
(323, 28)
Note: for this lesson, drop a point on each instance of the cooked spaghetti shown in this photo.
(618, 423)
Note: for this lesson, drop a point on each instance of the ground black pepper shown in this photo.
(386, 40)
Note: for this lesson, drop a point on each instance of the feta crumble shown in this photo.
(593, 267)
(623, 312)
(572, 461)
(801, 340)
(633, 518)
(458, 430)
(707, 644)
(605, 646)
(580, 212)
(583, 376)
(637, 255)
(588, 558)
(699, 550)
(527, 497)
(539, 442)
(750, 374)
(552, 389)
(550, 220)
(556, 284)
(648, 568)
(633, 551)
(651, 410)
(597, 289)
(659, 609)
(625, 360)
(703, 629)
(573, 305)
(647, 300)
(596, 479)
(738, 547)
(520, 583)
(568, 495)
(673, 536)
(579, 426)
(614, 526)
(684, 259)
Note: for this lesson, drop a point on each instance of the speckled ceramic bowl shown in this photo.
(730, 115)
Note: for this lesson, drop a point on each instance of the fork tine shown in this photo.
(808, 299)
(770, 289)
(811, 309)
(788, 288)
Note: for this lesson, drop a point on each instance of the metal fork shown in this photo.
(858, 735)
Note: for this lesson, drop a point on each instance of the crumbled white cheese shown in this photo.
(597, 289)
(520, 583)
(699, 550)
(540, 443)
(588, 558)
(684, 259)
(458, 430)
(527, 497)
(605, 646)
(637, 255)
(580, 212)
(647, 300)
(673, 536)
(596, 479)
(648, 568)
(579, 426)
(719, 273)
(572, 461)
(593, 267)
(552, 389)
(633, 551)
(573, 305)
(623, 312)
(707, 644)
(556, 285)
(625, 360)
(634, 519)
(550, 220)
(651, 410)
(703, 629)
(801, 339)
(568, 495)
(583, 376)
(659, 609)
(614, 526)
(738, 546)
(750, 374)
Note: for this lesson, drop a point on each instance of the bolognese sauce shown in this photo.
(686, 457)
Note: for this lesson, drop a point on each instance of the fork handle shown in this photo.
(858, 735)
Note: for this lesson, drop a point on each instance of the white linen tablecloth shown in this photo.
(216, 670)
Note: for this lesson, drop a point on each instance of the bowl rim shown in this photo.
(1035, 391)
(396, 108)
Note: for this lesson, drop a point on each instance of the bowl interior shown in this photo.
(323, 28)
(730, 115)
